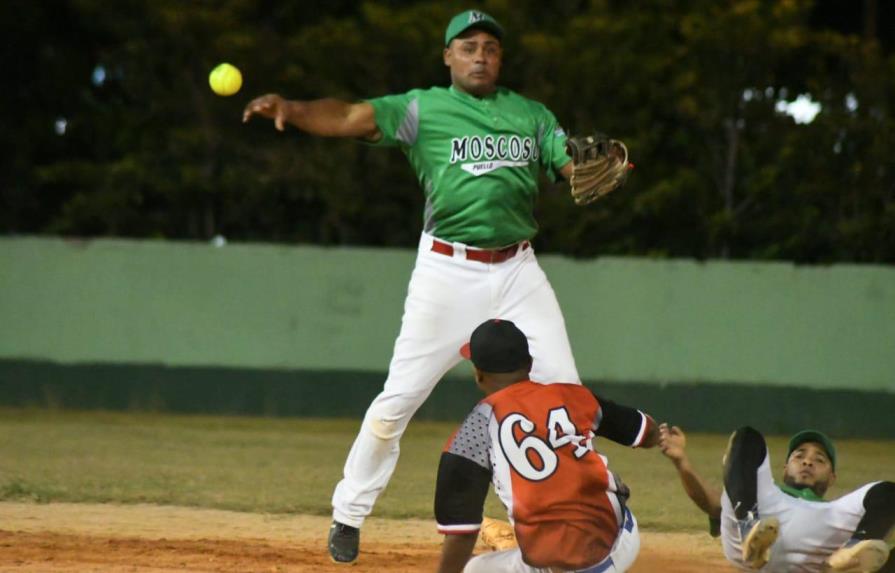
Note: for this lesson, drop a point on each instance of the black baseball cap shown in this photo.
(497, 346)
(813, 436)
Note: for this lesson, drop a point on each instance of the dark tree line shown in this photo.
(110, 128)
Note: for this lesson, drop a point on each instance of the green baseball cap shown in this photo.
(472, 19)
(813, 436)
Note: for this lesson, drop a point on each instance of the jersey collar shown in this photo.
(463, 95)
(802, 493)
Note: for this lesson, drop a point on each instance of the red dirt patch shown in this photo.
(69, 538)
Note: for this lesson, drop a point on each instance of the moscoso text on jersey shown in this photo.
(490, 147)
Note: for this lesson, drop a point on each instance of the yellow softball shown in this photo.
(225, 79)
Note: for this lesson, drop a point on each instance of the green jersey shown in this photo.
(477, 159)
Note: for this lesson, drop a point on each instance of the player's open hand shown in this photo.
(271, 106)
(672, 442)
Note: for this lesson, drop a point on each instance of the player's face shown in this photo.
(809, 466)
(474, 58)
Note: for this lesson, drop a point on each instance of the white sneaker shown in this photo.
(758, 537)
(863, 556)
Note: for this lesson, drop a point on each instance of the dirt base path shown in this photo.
(69, 538)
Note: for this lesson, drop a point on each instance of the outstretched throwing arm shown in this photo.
(324, 117)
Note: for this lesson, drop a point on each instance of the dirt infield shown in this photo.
(60, 537)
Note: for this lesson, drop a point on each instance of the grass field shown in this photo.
(276, 465)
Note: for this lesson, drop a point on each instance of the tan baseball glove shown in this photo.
(497, 535)
(599, 166)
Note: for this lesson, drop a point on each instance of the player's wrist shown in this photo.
(292, 111)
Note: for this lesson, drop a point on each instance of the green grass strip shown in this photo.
(290, 465)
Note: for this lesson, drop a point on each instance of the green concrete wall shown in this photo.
(191, 304)
(309, 308)
(769, 323)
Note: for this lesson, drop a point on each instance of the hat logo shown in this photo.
(475, 16)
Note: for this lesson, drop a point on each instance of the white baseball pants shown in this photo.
(620, 559)
(447, 298)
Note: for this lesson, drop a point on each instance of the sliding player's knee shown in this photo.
(747, 445)
(746, 448)
(746, 451)
(748, 436)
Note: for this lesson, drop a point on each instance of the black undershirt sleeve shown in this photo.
(618, 423)
(460, 491)
(879, 516)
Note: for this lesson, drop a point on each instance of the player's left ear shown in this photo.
(479, 379)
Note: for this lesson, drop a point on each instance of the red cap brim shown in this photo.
(465, 352)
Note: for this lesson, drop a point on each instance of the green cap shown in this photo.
(472, 19)
(813, 436)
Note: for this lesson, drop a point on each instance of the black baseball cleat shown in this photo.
(343, 543)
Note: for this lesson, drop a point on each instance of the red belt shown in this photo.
(481, 255)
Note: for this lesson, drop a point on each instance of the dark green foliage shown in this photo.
(692, 87)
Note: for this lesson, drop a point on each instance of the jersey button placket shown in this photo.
(494, 115)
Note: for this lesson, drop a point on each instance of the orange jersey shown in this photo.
(534, 441)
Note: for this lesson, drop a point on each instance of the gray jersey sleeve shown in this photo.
(472, 440)
(463, 476)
